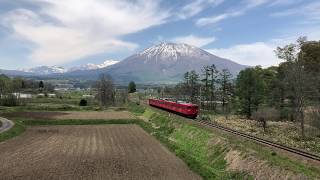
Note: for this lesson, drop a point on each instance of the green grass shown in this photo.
(190, 143)
(135, 108)
(16, 130)
(78, 122)
(50, 107)
(275, 159)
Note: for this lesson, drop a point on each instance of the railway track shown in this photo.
(250, 137)
(262, 141)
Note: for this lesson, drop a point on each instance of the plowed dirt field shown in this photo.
(89, 152)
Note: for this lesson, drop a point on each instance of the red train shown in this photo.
(184, 109)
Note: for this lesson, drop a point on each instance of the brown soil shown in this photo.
(89, 152)
(71, 115)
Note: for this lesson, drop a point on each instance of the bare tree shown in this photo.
(264, 114)
(105, 90)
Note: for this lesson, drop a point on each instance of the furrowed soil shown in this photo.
(89, 152)
(70, 115)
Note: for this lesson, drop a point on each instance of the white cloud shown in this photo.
(284, 2)
(196, 7)
(214, 19)
(262, 53)
(194, 40)
(310, 12)
(246, 5)
(65, 31)
(254, 3)
(258, 53)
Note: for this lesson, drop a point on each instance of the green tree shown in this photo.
(225, 89)
(194, 85)
(4, 86)
(41, 86)
(191, 85)
(213, 73)
(250, 89)
(301, 77)
(132, 87)
(206, 83)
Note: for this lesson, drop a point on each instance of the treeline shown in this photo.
(284, 92)
(11, 89)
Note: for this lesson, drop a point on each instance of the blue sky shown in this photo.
(73, 32)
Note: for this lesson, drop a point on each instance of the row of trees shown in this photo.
(290, 87)
(11, 88)
(209, 89)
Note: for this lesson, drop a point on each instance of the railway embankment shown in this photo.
(214, 154)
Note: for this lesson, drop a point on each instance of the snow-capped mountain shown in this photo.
(107, 63)
(45, 70)
(91, 66)
(165, 62)
(172, 51)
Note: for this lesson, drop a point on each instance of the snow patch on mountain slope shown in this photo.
(172, 51)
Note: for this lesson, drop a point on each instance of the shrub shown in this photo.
(135, 108)
(65, 107)
(262, 115)
(10, 100)
(270, 114)
(286, 114)
(314, 117)
(83, 102)
(204, 117)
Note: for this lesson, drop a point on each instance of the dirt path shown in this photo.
(6, 124)
(89, 152)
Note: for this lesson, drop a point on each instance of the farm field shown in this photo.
(89, 152)
(61, 115)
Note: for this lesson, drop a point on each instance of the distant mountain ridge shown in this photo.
(45, 70)
(91, 66)
(50, 70)
(162, 63)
